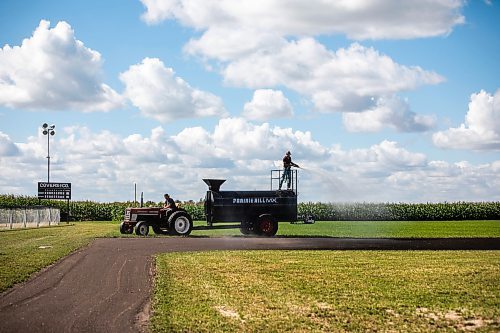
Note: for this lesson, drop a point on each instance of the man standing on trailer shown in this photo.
(287, 170)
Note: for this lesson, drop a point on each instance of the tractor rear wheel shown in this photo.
(141, 228)
(266, 225)
(180, 223)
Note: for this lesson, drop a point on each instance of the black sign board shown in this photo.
(54, 191)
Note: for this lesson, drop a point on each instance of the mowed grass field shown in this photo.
(327, 291)
(319, 291)
(377, 229)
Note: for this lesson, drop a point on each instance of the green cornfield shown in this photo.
(447, 211)
(91, 210)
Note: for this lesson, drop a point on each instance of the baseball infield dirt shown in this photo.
(106, 286)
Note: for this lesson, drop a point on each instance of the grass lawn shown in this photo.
(327, 291)
(377, 229)
(26, 251)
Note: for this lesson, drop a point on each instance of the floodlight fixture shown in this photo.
(46, 131)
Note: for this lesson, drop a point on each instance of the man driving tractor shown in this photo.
(169, 203)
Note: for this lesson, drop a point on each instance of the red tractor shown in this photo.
(163, 221)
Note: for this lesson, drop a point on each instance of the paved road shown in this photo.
(105, 287)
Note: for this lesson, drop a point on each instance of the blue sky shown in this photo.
(379, 101)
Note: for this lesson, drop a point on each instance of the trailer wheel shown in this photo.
(126, 229)
(266, 225)
(245, 231)
(141, 228)
(180, 223)
(247, 228)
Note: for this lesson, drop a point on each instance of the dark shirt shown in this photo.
(171, 203)
(287, 161)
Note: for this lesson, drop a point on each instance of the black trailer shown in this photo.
(256, 212)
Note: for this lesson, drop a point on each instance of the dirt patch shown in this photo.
(142, 318)
(228, 313)
(457, 319)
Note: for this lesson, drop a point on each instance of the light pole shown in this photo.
(48, 131)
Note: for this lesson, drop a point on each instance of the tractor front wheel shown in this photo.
(126, 229)
(141, 228)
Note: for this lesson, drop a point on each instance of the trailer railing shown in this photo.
(276, 176)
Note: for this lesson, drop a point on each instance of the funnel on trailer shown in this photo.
(214, 184)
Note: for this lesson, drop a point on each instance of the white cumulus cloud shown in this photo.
(350, 79)
(226, 44)
(280, 49)
(160, 94)
(53, 70)
(381, 19)
(379, 160)
(267, 104)
(7, 147)
(104, 166)
(481, 129)
(390, 112)
(247, 140)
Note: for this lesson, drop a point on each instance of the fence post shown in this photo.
(10, 218)
(24, 219)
